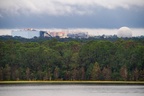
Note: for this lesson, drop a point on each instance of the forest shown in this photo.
(55, 59)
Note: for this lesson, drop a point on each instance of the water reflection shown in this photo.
(71, 90)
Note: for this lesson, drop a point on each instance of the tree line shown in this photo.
(72, 60)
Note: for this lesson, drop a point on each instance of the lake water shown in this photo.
(71, 90)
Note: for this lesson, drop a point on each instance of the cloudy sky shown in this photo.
(71, 13)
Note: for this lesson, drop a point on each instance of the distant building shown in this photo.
(31, 33)
(59, 34)
(28, 33)
(78, 35)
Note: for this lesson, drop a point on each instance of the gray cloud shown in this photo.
(63, 7)
(71, 13)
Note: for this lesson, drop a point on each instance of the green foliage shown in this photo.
(72, 60)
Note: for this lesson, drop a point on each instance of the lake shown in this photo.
(70, 90)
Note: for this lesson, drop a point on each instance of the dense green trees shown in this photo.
(72, 60)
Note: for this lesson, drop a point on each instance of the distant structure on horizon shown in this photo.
(28, 33)
(31, 33)
(61, 34)
(78, 35)
(124, 32)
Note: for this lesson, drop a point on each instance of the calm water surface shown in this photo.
(71, 90)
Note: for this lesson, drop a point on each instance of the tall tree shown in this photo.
(123, 72)
(56, 73)
(1, 73)
(106, 72)
(27, 73)
(95, 73)
(7, 72)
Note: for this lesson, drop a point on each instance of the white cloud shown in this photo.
(63, 7)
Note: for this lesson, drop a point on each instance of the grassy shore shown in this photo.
(74, 82)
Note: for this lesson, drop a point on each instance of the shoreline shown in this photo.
(75, 82)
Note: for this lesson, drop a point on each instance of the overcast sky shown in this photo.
(71, 13)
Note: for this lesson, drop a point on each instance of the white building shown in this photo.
(26, 33)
